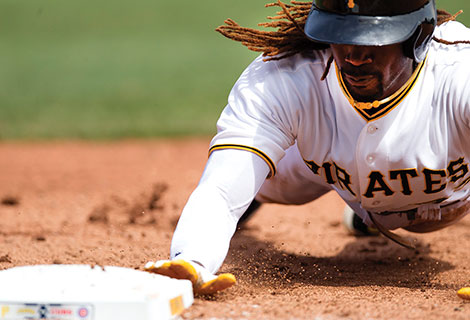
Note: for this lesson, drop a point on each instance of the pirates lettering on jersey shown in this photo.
(435, 181)
(377, 184)
(404, 175)
(342, 176)
(457, 169)
(463, 184)
(327, 170)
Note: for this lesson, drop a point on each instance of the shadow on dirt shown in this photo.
(372, 261)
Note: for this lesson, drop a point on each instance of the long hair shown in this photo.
(289, 38)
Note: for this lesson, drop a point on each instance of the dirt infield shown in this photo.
(118, 203)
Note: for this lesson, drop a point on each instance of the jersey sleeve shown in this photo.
(259, 116)
(210, 217)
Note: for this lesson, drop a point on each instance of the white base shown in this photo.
(83, 292)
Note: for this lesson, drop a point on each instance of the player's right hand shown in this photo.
(204, 282)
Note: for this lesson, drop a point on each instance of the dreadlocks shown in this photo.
(289, 39)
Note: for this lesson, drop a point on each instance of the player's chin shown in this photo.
(366, 93)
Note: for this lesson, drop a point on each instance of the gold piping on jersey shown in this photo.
(263, 156)
(374, 110)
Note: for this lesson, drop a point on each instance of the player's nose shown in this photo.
(357, 55)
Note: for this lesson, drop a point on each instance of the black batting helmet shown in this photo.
(374, 23)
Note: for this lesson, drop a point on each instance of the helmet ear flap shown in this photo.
(409, 45)
(417, 45)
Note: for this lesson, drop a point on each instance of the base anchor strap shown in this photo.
(392, 236)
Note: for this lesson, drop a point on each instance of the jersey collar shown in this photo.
(374, 110)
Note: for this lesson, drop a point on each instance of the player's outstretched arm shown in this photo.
(201, 240)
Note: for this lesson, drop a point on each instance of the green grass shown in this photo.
(455, 5)
(99, 69)
(113, 69)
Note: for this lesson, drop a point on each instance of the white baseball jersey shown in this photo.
(411, 150)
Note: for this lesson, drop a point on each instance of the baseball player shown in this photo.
(369, 98)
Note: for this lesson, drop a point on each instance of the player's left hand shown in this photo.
(203, 281)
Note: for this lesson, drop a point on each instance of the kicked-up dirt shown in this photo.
(117, 203)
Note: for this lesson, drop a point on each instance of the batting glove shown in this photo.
(204, 282)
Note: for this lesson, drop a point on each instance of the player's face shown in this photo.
(372, 72)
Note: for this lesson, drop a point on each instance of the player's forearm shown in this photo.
(204, 230)
(228, 185)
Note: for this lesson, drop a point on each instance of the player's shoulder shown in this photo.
(447, 60)
(452, 31)
(280, 82)
(304, 61)
(448, 64)
(446, 53)
(298, 66)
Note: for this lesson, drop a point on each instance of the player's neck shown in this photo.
(403, 89)
(398, 82)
